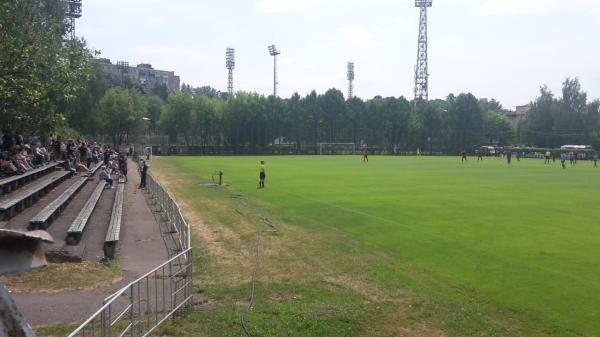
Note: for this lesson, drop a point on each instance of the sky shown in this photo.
(503, 49)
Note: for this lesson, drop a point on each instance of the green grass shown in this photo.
(484, 248)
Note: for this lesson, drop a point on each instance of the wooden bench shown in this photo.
(114, 229)
(24, 198)
(12, 183)
(45, 217)
(78, 226)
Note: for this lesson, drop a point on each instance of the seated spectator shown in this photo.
(38, 157)
(105, 175)
(7, 165)
(69, 165)
(21, 160)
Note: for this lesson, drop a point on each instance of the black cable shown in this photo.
(243, 203)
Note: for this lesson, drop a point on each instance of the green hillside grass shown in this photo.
(433, 245)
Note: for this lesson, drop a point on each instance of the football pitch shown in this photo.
(517, 244)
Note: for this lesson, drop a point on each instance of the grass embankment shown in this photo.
(399, 246)
(57, 277)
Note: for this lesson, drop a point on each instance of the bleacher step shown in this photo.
(25, 197)
(45, 217)
(78, 226)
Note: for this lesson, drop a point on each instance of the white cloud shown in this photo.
(520, 7)
(355, 35)
(401, 20)
(159, 20)
(283, 6)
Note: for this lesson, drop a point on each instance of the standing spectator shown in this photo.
(123, 167)
(143, 173)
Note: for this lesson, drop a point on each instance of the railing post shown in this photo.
(131, 314)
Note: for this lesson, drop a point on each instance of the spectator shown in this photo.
(143, 173)
(105, 175)
(8, 168)
(123, 167)
(7, 141)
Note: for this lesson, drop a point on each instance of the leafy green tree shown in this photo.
(39, 74)
(465, 122)
(122, 112)
(176, 118)
(497, 129)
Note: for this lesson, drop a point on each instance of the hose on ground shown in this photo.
(251, 213)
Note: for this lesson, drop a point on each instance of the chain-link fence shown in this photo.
(166, 291)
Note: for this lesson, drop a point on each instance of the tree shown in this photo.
(177, 117)
(465, 121)
(39, 74)
(497, 129)
(122, 112)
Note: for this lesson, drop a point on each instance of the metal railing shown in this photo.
(165, 292)
(172, 210)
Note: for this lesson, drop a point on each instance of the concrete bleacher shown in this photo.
(45, 217)
(30, 193)
(114, 230)
(12, 183)
(78, 226)
(64, 204)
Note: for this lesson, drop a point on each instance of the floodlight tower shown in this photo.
(273, 51)
(73, 12)
(350, 80)
(421, 71)
(230, 65)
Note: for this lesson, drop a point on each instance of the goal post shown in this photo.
(337, 148)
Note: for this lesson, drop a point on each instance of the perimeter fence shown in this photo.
(165, 292)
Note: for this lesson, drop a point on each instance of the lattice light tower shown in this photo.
(350, 80)
(73, 12)
(421, 71)
(230, 65)
(273, 51)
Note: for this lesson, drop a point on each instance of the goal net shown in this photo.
(337, 148)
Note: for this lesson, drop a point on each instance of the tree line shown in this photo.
(252, 120)
(569, 119)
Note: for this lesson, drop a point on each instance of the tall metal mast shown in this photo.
(350, 80)
(230, 65)
(273, 51)
(421, 71)
(73, 12)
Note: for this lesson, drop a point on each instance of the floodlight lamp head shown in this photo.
(350, 71)
(230, 58)
(273, 50)
(423, 3)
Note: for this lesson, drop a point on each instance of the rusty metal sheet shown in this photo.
(22, 251)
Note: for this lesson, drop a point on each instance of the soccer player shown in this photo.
(508, 157)
(595, 160)
(563, 159)
(548, 154)
(463, 154)
(365, 155)
(262, 174)
(479, 154)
